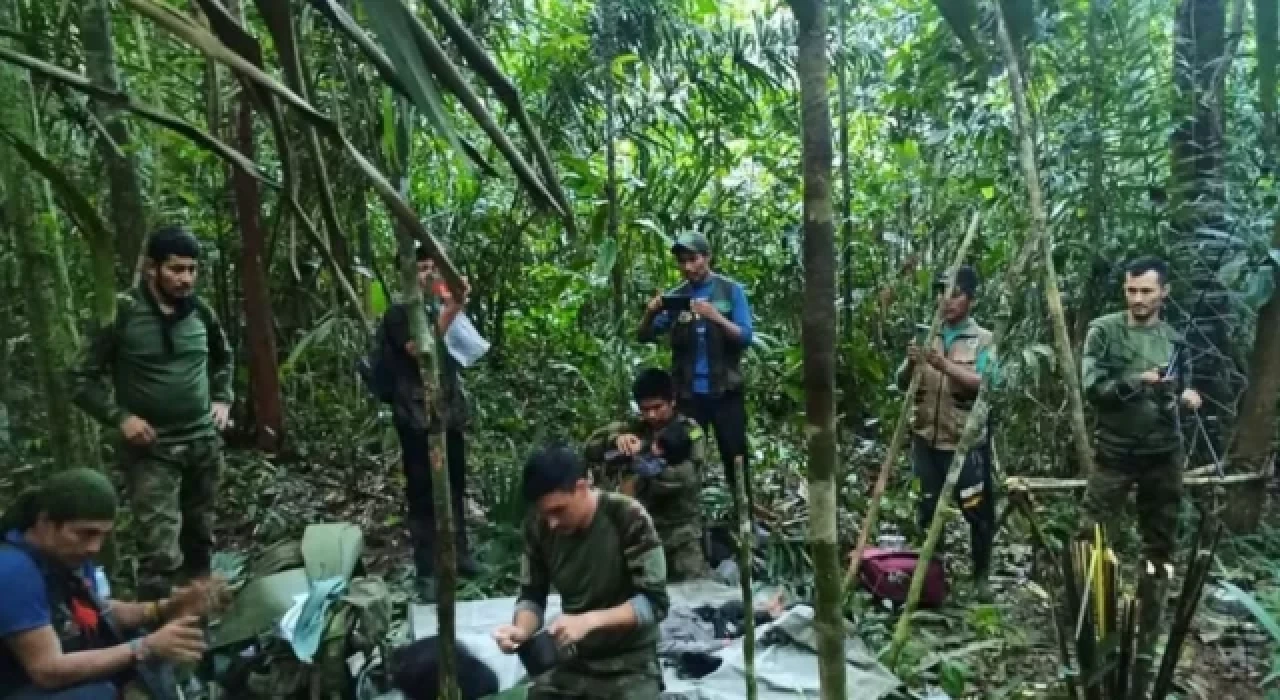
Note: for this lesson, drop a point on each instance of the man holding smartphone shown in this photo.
(1136, 378)
(708, 339)
(951, 370)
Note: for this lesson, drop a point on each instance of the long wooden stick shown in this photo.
(904, 419)
(746, 538)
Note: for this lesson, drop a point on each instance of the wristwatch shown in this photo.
(139, 648)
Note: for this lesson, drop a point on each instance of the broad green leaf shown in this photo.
(606, 256)
(1259, 286)
(390, 24)
(988, 192)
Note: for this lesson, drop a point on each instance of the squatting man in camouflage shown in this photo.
(61, 638)
(663, 454)
(602, 554)
(168, 363)
(1137, 374)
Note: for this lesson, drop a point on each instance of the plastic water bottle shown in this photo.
(100, 583)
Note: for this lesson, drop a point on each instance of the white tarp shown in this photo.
(784, 671)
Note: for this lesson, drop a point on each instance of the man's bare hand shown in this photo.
(914, 353)
(180, 641)
(137, 431)
(935, 359)
(1151, 377)
(570, 629)
(655, 304)
(509, 637)
(411, 349)
(629, 445)
(706, 309)
(199, 598)
(1191, 399)
(221, 414)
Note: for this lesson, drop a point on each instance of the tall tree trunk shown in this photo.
(1087, 299)
(259, 322)
(819, 340)
(128, 213)
(851, 405)
(38, 260)
(617, 277)
(1256, 428)
(1199, 203)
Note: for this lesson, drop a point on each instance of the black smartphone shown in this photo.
(675, 302)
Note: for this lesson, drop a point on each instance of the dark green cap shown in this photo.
(693, 242)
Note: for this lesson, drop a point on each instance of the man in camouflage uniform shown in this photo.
(170, 367)
(601, 552)
(672, 494)
(951, 371)
(1135, 373)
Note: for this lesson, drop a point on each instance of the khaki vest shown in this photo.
(940, 408)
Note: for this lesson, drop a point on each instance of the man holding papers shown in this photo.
(461, 346)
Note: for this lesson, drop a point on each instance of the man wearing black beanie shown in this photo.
(160, 374)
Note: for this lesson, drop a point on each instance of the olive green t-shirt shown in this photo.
(1134, 418)
(616, 559)
(130, 369)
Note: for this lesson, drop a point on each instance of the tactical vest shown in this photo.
(940, 409)
(724, 356)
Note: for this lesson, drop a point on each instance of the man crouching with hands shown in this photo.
(60, 638)
(602, 554)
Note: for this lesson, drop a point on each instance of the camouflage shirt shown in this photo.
(616, 559)
(672, 496)
(1134, 418)
(129, 369)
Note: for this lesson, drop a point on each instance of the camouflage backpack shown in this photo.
(257, 663)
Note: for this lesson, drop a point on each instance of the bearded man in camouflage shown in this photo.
(1136, 374)
(161, 375)
(602, 554)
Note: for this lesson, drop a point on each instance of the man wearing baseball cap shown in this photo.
(708, 320)
(951, 370)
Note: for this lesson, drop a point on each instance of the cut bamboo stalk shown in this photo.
(746, 536)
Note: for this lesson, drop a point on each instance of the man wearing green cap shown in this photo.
(168, 363)
(709, 322)
(60, 637)
(951, 371)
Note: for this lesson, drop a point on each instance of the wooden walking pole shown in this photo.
(746, 537)
(904, 419)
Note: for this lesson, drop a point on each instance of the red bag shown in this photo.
(887, 574)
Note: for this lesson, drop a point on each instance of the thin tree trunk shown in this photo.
(1039, 231)
(37, 254)
(1096, 199)
(608, 19)
(264, 374)
(128, 213)
(1256, 430)
(819, 341)
(446, 563)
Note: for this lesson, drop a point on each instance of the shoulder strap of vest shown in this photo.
(722, 288)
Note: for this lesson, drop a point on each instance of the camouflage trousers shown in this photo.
(172, 489)
(575, 682)
(1158, 479)
(682, 547)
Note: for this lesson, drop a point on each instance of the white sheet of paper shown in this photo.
(464, 342)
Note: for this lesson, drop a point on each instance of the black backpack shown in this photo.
(375, 366)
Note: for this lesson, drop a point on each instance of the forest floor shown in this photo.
(1005, 648)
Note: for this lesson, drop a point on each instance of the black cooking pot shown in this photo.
(539, 653)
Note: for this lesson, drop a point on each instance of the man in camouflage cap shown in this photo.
(671, 488)
(601, 553)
